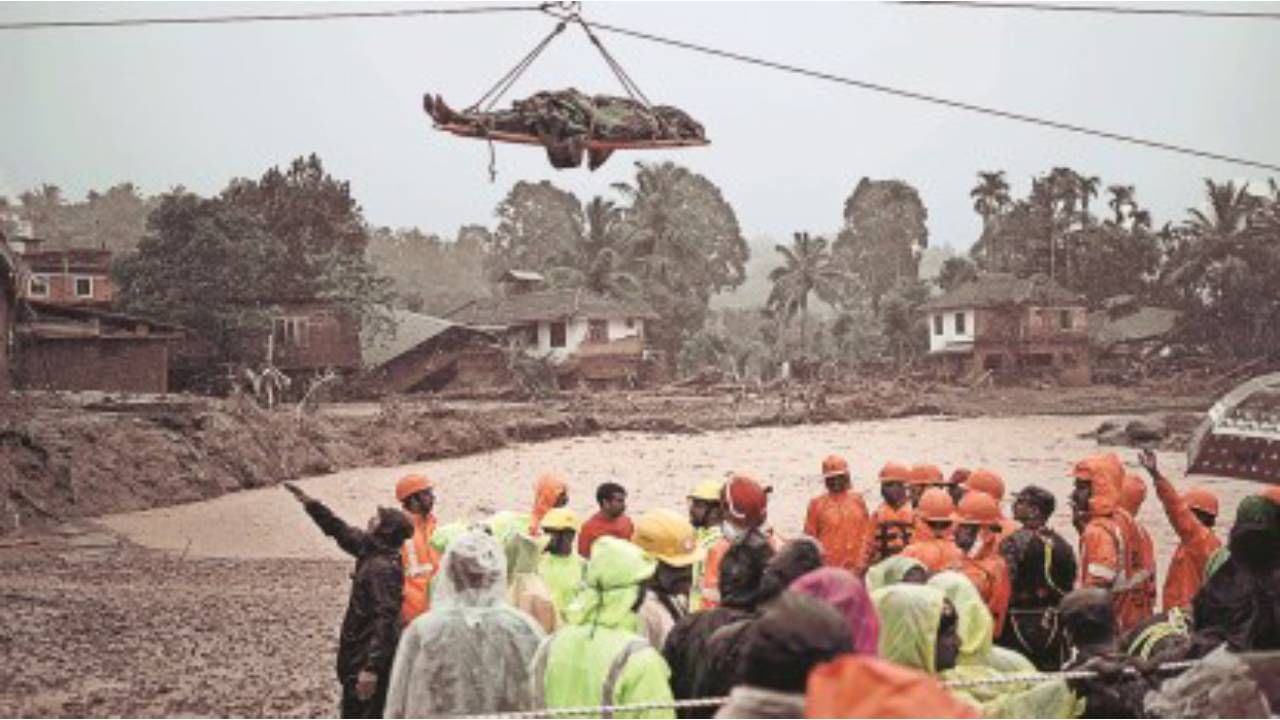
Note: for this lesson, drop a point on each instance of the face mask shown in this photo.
(730, 531)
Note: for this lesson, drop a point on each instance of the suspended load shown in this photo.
(571, 124)
(1241, 436)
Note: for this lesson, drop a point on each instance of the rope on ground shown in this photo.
(613, 710)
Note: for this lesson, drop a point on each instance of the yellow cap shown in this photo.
(708, 490)
(560, 519)
(668, 537)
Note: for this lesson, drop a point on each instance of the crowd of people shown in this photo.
(935, 604)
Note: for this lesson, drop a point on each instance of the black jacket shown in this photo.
(371, 627)
(1033, 587)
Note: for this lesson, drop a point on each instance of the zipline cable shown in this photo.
(288, 17)
(1097, 9)
(924, 97)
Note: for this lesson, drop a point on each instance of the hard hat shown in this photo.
(745, 500)
(986, 481)
(978, 508)
(411, 485)
(936, 504)
(1133, 492)
(895, 472)
(927, 474)
(560, 519)
(667, 537)
(834, 465)
(1201, 498)
(708, 490)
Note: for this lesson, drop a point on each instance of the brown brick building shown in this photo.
(72, 276)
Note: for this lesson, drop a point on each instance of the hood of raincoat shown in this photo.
(975, 622)
(890, 571)
(796, 558)
(859, 686)
(473, 574)
(742, 571)
(1106, 474)
(843, 591)
(1133, 492)
(522, 554)
(546, 491)
(506, 523)
(612, 585)
(909, 619)
(444, 535)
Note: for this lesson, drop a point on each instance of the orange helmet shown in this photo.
(1133, 492)
(926, 474)
(411, 485)
(1272, 493)
(936, 504)
(895, 472)
(978, 508)
(986, 481)
(1201, 498)
(834, 465)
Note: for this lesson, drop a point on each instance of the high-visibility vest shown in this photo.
(420, 562)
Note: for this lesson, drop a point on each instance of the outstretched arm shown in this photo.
(352, 540)
(1184, 521)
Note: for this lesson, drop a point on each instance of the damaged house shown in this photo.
(429, 354)
(1007, 325)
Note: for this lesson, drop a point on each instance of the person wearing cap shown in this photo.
(1042, 570)
(559, 566)
(838, 518)
(549, 491)
(890, 527)
(371, 627)
(1133, 492)
(611, 520)
(598, 659)
(746, 509)
(1110, 546)
(977, 535)
(932, 543)
(706, 513)
(670, 540)
(1192, 516)
(989, 481)
(420, 559)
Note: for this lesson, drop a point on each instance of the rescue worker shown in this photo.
(1133, 492)
(549, 491)
(668, 539)
(978, 536)
(705, 514)
(989, 481)
(469, 627)
(843, 591)
(891, 526)
(924, 477)
(1239, 603)
(838, 518)
(795, 634)
(1110, 558)
(917, 483)
(1042, 570)
(559, 566)
(371, 627)
(526, 590)
(420, 560)
(611, 519)
(897, 569)
(686, 650)
(932, 544)
(1192, 516)
(860, 686)
(976, 627)
(1089, 622)
(746, 509)
(597, 659)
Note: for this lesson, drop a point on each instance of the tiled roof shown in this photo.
(1004, 289)
(1144, 323)
(547, 305)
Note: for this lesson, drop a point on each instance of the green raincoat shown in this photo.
(563, 576)
(599, 660)
(890, 571)
(977, 627)
(909, 619)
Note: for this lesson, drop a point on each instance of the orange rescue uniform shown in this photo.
(839, 521)
(711, 575)
(1198, 544)
(1110, 552)
(420, 562)
(546, 492)
(888, 532)
(936, 552)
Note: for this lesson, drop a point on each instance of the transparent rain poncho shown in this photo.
(471, 652)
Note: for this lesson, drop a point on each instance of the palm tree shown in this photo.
(656, 243)
(1086, 187)
(808, 268)
(1219, 234)
(990, 198)
(598, 260)
(1122, 201)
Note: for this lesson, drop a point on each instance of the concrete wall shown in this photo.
(949, 334)
(118, 365)
(576, 334)
(62, 288)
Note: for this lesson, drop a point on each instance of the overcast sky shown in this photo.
(198, 105)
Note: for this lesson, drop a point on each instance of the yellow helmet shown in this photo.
(708, 490)
(560, 519)
(668, 537)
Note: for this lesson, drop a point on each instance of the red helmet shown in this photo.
(746, 500)
(1201, 498)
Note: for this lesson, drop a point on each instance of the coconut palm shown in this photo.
(808, 268)
(1218, 234)
(599, 260)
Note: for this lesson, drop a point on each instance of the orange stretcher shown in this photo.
(479, 133)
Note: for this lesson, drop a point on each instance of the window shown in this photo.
(960, 324)
(38, 286)
(292, 331)
(631, 323)
(1064, 319)
(528, 335)
(558, 335)
(598, 331)
(84, 287)
(937, 324)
